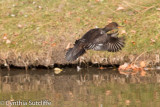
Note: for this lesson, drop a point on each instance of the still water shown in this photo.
(89, 87)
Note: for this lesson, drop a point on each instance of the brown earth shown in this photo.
(56, 55)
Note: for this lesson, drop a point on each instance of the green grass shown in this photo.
(35, 25)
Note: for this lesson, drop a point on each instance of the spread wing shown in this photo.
(111, 44)
(91, 38)
(100, 41)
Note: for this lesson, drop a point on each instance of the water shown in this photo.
(89, 87)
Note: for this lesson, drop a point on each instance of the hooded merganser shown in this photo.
(97, 39)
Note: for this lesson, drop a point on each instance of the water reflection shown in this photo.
(87, 88)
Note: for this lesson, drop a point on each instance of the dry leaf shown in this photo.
(133, 43)
(127, 102)
(158, 9)
(68, 46)
(142, 64)
(15, 34)
(19, 26)
(13, 15)
(40, 7)
(8, 41)
(13, 5)
(34, 2)
(125, 21)
(45, 43)
(101, 68)
(153, 41)
(108, 92)
(57, 70)
(123, 67)
(53, 44)
(99, 0)
(133, 31)
(25, 15)
(134, 69)
(5, 37)
(123, 32)
(120, 8)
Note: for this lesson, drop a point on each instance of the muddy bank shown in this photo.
(51, 56)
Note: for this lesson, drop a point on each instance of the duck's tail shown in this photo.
(73, 53)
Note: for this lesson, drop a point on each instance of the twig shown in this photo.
(6, 64)
(147, 9)
(112, 10)
(130, 6)
(134, 4)
(138, 57)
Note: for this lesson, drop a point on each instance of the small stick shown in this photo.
(138, 57)
(147, 9)
(131, 6)
(112, 10)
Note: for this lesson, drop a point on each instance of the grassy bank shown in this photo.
(37, 32)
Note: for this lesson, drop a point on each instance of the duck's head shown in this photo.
(111, 26)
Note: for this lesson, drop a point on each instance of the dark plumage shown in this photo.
(97, 39)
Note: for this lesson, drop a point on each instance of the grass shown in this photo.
(37, 26)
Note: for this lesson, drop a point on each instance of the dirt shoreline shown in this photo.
(52, 57)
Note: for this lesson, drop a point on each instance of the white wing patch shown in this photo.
(102, 32)
(98, 47)
(111, 47)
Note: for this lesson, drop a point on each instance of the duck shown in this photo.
(97, 39)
